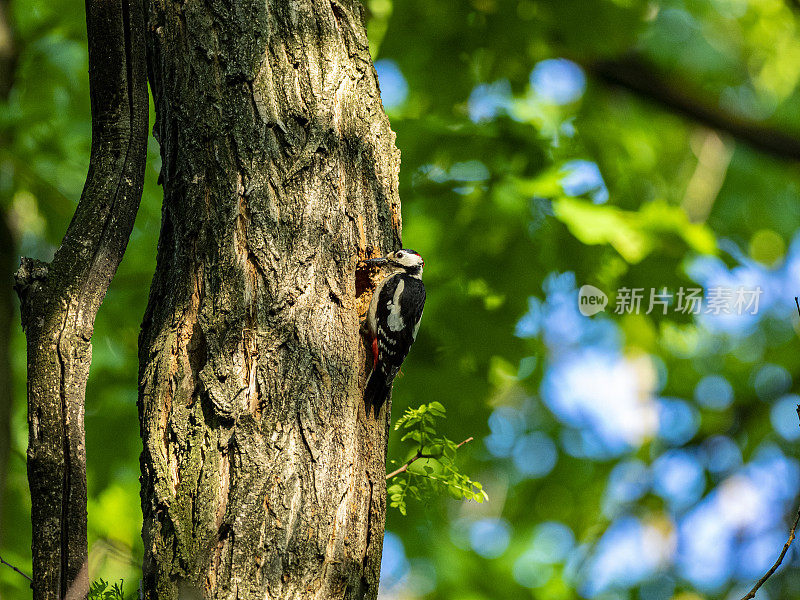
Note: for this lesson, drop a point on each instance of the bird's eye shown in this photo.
(399, 255)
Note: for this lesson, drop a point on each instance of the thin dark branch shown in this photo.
(636, 75)
(417, 456)
(8, 564)
(752, 593)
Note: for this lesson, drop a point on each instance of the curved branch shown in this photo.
(636, 75)
(59, 301)
(752, 593)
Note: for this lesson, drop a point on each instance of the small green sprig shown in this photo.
(432, 466)
(99, 590)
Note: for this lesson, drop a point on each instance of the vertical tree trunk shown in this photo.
(59, 300)
(262, 476)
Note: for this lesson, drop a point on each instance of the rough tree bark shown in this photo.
(262, 475)
(59, 300)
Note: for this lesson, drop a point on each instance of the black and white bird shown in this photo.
(393, 320)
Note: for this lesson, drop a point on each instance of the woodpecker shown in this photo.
(393, 320)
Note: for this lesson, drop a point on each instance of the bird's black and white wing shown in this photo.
(398, 314)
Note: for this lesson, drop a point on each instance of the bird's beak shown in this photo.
(377, 262)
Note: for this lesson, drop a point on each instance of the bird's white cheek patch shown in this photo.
(395, 320)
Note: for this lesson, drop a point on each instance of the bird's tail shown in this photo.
(377, 392)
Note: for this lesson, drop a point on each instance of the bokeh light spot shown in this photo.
(394, 88)
(721, 454)
(535, 455)
(678, 478)
(770, 381)
(713, 392)
(490, 537)
(558, 80)
(678, 421)
(784, 417)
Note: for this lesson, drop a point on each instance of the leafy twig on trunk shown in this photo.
(439, 471)
(419, 455)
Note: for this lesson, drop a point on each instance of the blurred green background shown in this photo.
(635, 454)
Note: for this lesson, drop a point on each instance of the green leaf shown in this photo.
(412, 435)
(437, 408)
(633, 234)
(594, 225)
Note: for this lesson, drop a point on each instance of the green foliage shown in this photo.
(634, 234)
(432, 464)
(99, 590)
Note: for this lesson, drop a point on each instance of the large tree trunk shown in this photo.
(262, 475)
